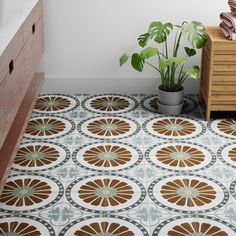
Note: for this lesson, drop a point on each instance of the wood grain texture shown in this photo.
(10, 54)
(20, 88)
(218, 77)
(34, 48)
(26, 55)
(16, 131)
(12, 91)
(33, 18)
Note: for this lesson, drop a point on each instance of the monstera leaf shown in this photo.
(124, 58)
(159, 31)
(193, 72)
(172, 60)
(149, 52)
(190, 51)
(143, 39)
(195, 33)
(137, 62)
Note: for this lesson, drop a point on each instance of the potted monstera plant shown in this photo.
(165, 59)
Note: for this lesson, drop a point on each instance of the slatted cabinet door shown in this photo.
(218, 76)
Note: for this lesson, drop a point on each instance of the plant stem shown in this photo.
(177, 44)
(161, 71)
(184, 77)
(175, 53)
(166, 47)
(153, 66)
(164, 56)
(175, 41)
(180, 74)
(167, 74)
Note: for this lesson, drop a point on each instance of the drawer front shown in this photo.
(34, 48)
(12, 91)
(32, 19)
(9, 56)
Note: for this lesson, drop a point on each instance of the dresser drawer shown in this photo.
(32, 19)
(10, 54)
(34, 48)
(12, 91)
(18, 87)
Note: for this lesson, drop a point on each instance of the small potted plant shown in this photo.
(169, 65)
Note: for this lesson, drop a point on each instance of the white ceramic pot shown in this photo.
(170, 103)
(170, 110)
(170, 98)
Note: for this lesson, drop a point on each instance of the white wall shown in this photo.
(85, 38)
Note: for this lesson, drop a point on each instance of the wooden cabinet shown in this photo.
(19, 85)
(218, 74)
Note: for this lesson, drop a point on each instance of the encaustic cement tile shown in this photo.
(111, 163)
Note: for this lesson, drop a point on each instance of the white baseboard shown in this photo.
(106, 85)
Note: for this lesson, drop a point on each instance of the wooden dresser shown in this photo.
(218, 74)
(19, 85)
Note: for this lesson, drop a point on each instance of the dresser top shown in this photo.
(8, 31)
(216, 35)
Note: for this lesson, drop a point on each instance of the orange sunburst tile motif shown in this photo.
(186, 192)
(104, 228)
(174, 127)
(105, 192)
(109, 104)
(108, 127)
(227, 126)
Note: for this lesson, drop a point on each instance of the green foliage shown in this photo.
(137, 62)
(143, 39)
(190, 51)
(193, 72)
(159, 31)
(194, 33)
(171, 68)
(172, 61)
(124, 58)
(149, 52)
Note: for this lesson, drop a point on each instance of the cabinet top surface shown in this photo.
(216, 35)
(8, 31)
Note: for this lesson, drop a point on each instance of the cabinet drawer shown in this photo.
(12, 91)
(34, 48)
(10, 54)
(32, 19)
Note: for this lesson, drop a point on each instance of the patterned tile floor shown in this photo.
(110, 165)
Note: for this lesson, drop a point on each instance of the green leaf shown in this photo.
(149, 52)
(193, 72)
(180, 60)
(124, 58)
(201, 42)
(137, 62)
(195, 33)
(190, 51)
(143, 39)
(172, 60)
(159, 31)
